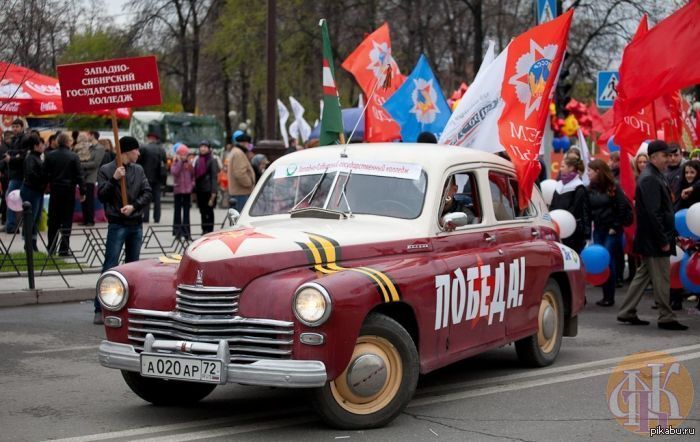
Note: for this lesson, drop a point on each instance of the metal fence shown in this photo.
(86, 253)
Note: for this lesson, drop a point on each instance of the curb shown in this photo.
(45, 296)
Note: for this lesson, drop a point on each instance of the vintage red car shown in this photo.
(351, 271)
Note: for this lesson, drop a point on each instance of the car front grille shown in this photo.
(210, 314)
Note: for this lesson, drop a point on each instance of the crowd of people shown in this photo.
(665, 183)
(67, 166)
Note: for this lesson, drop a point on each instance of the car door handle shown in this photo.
(489, 238)
(535, 233)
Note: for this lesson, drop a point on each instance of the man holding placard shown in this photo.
(125, 220)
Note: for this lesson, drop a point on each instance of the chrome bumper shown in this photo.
(266, 372)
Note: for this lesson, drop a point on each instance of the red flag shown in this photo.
(531, 69)
(660, 62)
(370, 63)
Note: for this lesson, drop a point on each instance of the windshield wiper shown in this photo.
(311, 194)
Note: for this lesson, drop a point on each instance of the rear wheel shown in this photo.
(166, 392)
(378, 382)
(542, 348)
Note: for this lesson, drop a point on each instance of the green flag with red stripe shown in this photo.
(331, 118)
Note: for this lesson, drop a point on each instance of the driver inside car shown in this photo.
(452, 204)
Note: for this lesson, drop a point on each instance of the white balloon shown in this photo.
(14, 201)
(679, 255)
(566, 222)
(692, 218)
(547, 187)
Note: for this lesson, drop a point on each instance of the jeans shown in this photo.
(206, 212)
(11, 214)
(36, 199)
(119, 235)
(181, 221)
(611, 244)
(240, 201)
(155, 189)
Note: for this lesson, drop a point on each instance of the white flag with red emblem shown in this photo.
(506, 108)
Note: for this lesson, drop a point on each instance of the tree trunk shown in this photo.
(478, 35)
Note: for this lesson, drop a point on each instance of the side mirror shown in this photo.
(453, 220)
(233, 216)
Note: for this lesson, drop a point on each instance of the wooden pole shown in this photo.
(117, 147)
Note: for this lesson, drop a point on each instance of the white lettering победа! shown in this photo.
(457, 296)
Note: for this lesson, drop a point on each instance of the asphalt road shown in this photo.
(52, 387)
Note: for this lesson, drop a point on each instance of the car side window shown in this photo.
(503, 207)
(520, 212)
(460, 194)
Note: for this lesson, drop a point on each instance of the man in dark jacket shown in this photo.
(654, 241)
(62, 172)
(125, 221)
(206, 170)
(674, 171)
(90, 167)
(15, 168)
(152, 159)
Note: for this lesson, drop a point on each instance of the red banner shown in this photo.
(109, 84)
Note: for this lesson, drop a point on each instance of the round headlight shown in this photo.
(312, 304)
(112, 290)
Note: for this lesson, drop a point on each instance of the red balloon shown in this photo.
(597, 279)
(676, 275)
(693, 268)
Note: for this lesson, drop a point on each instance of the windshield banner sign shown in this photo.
(379, 168)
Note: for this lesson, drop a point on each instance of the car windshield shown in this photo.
(364, 194)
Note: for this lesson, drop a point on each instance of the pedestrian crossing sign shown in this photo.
(546, 10)
(607, 88)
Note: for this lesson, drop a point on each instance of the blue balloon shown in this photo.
(565, 143)
(595, 258)
(682, 225)
(683, 271)
(612, 147)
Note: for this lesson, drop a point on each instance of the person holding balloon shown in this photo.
(571, 195)
(609, 210)
(655, 241)
(34, 181)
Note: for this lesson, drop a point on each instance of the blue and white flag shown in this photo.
(419, 104)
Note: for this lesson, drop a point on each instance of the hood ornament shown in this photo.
(199, 282)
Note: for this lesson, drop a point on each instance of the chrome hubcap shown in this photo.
(367, 375)
(548, 322)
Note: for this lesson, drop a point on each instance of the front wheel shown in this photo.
(378, 382)
(542, 348)
(166, 392)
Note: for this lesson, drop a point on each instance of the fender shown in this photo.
(152, 286)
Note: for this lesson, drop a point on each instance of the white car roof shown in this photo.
(431, 157)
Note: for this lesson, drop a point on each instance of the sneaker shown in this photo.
(672, 325)
(97, 319)
(605, 303)
(633, 321)
(692, 298)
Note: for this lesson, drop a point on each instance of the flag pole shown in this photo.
(364, 109)
(118, 149)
